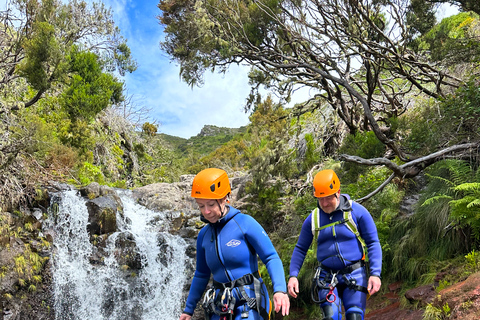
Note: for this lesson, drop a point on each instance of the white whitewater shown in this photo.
(105, 291)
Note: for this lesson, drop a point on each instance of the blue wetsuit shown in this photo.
(338, 249)
(228, 249)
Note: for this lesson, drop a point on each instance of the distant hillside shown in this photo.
(209, 139)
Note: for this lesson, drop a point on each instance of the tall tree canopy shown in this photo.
(360, 57)
(37, 39)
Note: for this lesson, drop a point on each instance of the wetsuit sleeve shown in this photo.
(200, 278)
(301, 248)
(368, 232)
(257, 237)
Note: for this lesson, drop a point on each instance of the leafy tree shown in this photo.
(270, 159)
(37, 40)
(90, 90)
(364, 68)
(455, 39)
(421, 17)
(149, 129)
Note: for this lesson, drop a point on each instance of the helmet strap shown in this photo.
(224, 210)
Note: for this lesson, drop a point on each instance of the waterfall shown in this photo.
(107, 290)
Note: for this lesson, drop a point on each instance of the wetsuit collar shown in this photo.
(344, 203)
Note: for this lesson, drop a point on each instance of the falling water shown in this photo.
(84, 290)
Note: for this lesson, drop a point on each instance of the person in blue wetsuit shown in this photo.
(227, 248)
(343, 229)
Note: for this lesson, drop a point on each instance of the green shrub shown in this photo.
(363, 144)
(89, 173)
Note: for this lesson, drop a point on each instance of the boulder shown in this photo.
(102, 214)
(423, 294)
(126, 251)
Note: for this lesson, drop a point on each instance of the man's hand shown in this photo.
(374, 284)
(293, 286)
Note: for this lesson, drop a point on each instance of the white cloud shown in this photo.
(182, 111)
(446, 10)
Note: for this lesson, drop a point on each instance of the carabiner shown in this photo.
(208, 295)
(332, 287)
(226, 296)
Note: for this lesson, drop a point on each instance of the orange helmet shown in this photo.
(325, 183)
(211, 183)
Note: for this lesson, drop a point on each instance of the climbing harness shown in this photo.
(330, 281)
(221, 301)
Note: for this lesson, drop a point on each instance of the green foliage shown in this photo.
(420, 128)
(462, 111)
(442, 285)
(462, 191)
(229, 155)
(28, 265)
(472, 260)
(454, 39)
(158, 162)
(432, 125)
(122, 57)
(421, 17)
(79, 135)
(149, 129)
(204, 145)
(364, 145)
(362, 184)
(90, 89)
(267, 202)
(433, 234)
(268, 157)
(89, 173)
(312, 157)
(42, 54)
(434, 313)
(304, 204)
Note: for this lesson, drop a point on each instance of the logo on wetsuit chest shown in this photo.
(233, 243)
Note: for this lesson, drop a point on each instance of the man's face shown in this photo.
(329, 203)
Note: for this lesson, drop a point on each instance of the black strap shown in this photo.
(347, 269)
(243, 281)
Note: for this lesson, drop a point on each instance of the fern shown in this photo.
(463, 193)
(447, 212)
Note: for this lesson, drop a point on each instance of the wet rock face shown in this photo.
(126, 252)
(23, 248)
(102, 214)
(103, 204)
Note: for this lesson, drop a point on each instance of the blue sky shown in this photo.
(179, 109)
